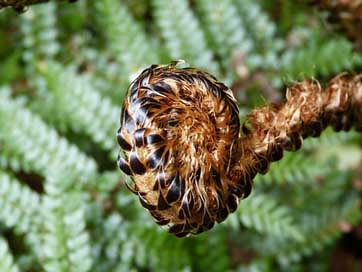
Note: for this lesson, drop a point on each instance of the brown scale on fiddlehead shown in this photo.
(181, 141)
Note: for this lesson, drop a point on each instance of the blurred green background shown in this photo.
(64, 70)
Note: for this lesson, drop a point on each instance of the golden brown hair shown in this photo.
(181, 143)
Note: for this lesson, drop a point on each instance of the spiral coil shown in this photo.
(181, 144)
(179, 132)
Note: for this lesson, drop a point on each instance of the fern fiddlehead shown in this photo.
(182, 146)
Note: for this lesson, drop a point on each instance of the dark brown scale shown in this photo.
(178, 230)
(140, 115)
(262, 165)
(163, 180)
(198, 175)
(207, 222)
(173, 122)
(222, 214)
(123, 165)
(136, 166)
(174, 192)
(232, 202)
(156, 187)
(139, 136)
(341, 122)
(162, 88)
(293, 143)
(239, 190)
(276, 153)
(146, 205)
(314, 129)
(187, 206)
(162, 203)
(181, 214)
(200, 229)
(128, 122)
(245, 129)
(122, 142)
(347, 125)
(154, 139)
(163, 222)
(336, 121)
(182, 234)
(155, 159)
(248, 186)
(216, 177)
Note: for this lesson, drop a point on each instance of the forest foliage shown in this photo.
(64, 71)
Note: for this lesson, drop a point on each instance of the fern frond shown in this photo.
(78, 105)
(39, 31)
(138, 244)
(104, 74)
(19, 204)
(25, 137)
(263, 33)
(65, 241)
(319, 230)
(314, 59)
(294, 168)
(263, 214)
(125, 38)
(225, 29)
(6, 259)
(182, 33)
(200, 248)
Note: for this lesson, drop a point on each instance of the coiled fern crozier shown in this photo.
(181, 141)
(194, 141)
